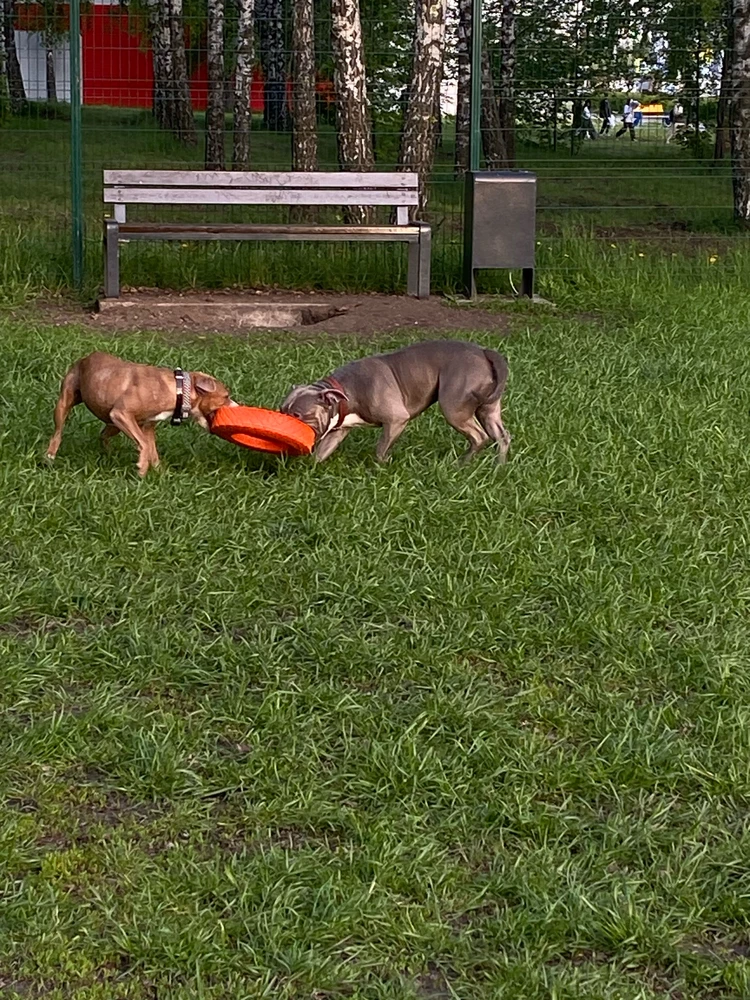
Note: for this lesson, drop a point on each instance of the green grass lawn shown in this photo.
(278, 730)
(636, 190)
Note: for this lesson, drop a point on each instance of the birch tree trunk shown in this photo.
(167, 57)
(352, 106)
(159, 32)
(740, 115)
(418, 138)
(271, 37)
(243, 82)
(215, 104)
(493, 143)
(172, 103)
(305, 137)
(16, 91)
(507, 81)
(4, 89)
(49, 68)
(724, 106)
(437, 118)
(463, 107)
(183, 119)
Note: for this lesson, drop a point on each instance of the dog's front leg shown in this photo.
(330, 443)
(391, 432)
(149, 432)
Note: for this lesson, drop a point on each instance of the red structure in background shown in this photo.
(117, 64)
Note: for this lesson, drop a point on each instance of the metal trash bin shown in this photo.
(500, 225)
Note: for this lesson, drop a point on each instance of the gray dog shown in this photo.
(389, 390)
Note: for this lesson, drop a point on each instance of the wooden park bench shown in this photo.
(398, 191)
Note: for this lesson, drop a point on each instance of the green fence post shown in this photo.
(76, 166)
(475, 145)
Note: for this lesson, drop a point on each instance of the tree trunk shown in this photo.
(49, 65)
(243, 82)
(437, 118)
(16, 91)
(724, 106)
(740, 114)
(305, 138)
(172, 104)
(271, 37)
(495, 154)
(507, 82)
(418, 139)
(215, 103)
(4, 91)
(352, 106)
(183, 119)
(160, 43)
(463, 108)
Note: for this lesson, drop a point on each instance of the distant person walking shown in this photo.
(587, 122)
(628, 119)
(676, 119)
(605, 113)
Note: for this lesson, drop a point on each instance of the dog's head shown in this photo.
(210, 396)
(315, 405)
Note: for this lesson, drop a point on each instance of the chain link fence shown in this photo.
(160, 89)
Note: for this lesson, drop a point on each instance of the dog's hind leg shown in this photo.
(490, 417)
(70, 396)
(462, 417)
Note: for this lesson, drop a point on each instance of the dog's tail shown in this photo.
(70, 396)
(499, 366)
(70, 390)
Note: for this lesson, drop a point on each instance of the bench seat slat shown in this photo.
(323, 179)
(255, 196)
(187, 231)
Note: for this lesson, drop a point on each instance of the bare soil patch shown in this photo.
(327, 313)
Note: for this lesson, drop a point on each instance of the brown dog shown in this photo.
(389, 390)
(132, 398)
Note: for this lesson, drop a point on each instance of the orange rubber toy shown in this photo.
(263, 430)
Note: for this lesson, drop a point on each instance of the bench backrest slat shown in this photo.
(323, 179)
(211, 187)
(255, 196)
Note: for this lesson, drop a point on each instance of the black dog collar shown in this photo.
(182, 404)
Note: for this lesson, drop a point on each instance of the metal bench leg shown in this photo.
(425, 261)
(412, 278)
(111, 259)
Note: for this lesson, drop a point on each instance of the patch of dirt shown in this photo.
(25, 626)
(85, 821)
(721, 949)
(18, 986)
(194, 313)
(434, 983)
(114, 809)
(286, 838)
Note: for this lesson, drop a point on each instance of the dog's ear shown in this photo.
(204, 383)
(331, 396)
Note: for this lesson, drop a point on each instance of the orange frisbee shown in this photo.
(263, 430)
